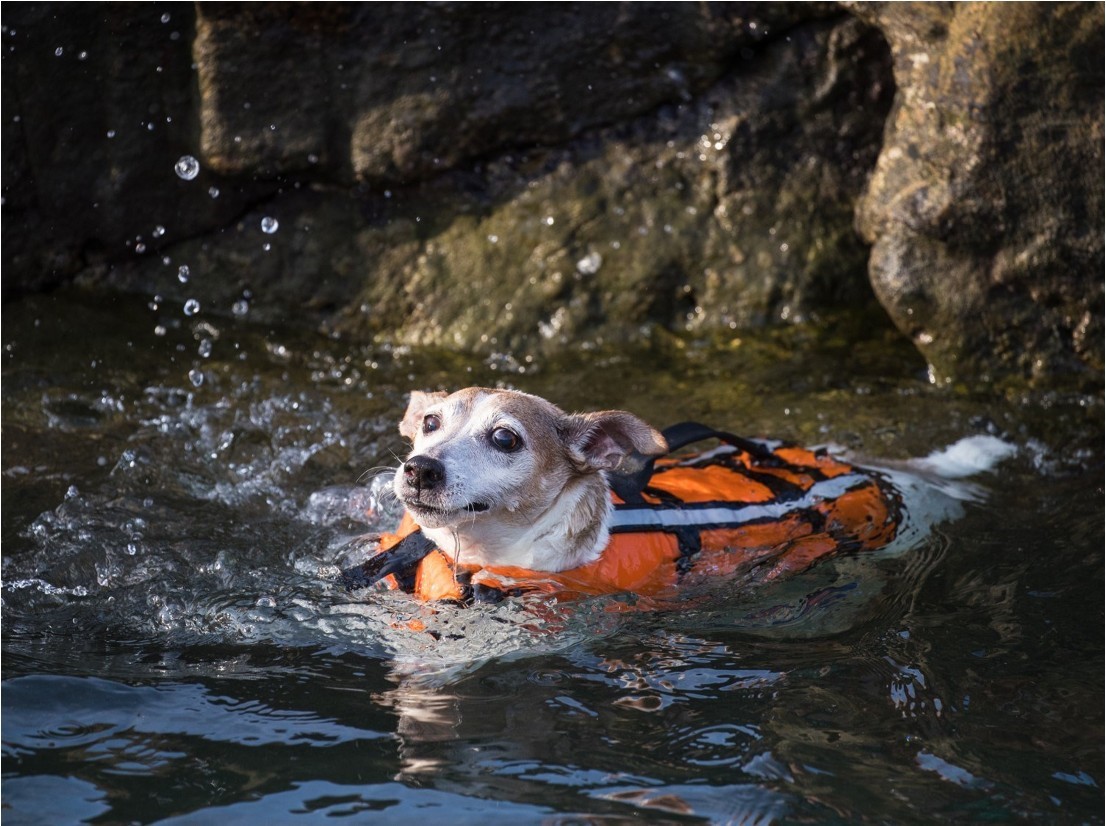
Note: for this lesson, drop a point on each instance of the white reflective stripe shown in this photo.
(635, 516)
(721, 450)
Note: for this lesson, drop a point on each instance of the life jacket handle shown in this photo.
(629, 485)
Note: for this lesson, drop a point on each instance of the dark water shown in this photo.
(178, 491)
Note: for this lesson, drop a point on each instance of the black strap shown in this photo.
(401, 559)
(629, 485)
(687, 433)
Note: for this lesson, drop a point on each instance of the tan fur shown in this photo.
(542, 506)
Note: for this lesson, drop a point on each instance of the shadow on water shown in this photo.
(178, 492)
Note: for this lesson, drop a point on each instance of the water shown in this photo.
(175, 648)
(187, 168)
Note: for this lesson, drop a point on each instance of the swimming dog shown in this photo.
(508, 495)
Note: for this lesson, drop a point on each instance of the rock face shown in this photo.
(985, 210)
(514, 177)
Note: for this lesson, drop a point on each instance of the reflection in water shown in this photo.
(502, 742)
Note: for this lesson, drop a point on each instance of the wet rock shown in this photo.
(697, 216)
(985, 208)
(728, 208)
(510, 177)
(98, 108)
(384, 92)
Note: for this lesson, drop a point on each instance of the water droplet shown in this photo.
(240, 308)
(196, 376)
(548, 220)
(493, 239)
(187, 168)
(165, 18)
(269, 225)
(82, 56)
(140, 248)
(191, 307)
(58, 51)
(205, 348)
(266, 246)
(159, 231)
(266, 602)
(160, 330)
(72, 492)
(590, 263)
(111, 133)
(183, 274)
(213, 192)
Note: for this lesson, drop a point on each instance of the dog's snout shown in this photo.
(423, 473)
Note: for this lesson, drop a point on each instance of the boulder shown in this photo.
(704, 179)
(985, 209)
(506, 177)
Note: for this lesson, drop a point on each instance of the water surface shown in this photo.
(178, 491)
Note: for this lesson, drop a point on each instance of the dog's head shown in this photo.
(495, 468)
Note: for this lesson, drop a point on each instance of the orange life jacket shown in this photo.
(744, 503)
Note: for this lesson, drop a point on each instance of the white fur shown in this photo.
(969, 456)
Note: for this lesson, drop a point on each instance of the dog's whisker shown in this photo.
(373, 472)
(456, 553)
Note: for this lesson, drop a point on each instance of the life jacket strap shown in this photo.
(401, 560)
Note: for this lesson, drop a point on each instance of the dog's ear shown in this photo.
(600, 441)
(411, 424)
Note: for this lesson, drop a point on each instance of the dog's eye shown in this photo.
(431, 423)
(506, 440)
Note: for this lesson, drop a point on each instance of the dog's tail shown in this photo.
(970, 456)
(936, 487)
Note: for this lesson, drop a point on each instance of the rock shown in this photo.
(505, 177)
(395, 93)
(696, 214)
(98, 107)
(985, 208)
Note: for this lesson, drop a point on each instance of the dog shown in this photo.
(502, 478)
(508, 495)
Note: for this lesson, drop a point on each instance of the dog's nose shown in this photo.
(423, 473)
